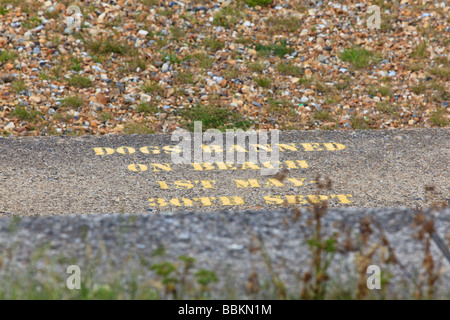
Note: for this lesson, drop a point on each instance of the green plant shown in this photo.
(54, 14)
(284, 24)
(386, 107)
(153, 88)
(147, 108)
(419, 89)
(177, 33)
(440, 117)
(263, 82)
(204, 61)
(289, 69)
(166, 271)
(72, 102)
(19, 85)
(277, 282)
(358, 57)
(135, 63)
(56, 70)
(385, 91)
(323, 115)
(149, 3)
(24, 113)
(63, 117)
(280, 49)
(323, 249)
(44, 75)
(213, 44)
(256, 66)
(79, 81)
(105, 116)
(213, 117)
(161, 42)
(166, 12)
(103, 46)
(75, 64)
(415, 66)
(55, 40)
(439, 91)
(32, 22)
(420, 51)
(97, 59)
(184, 77)
(3, 11)
(443, 72)
(228, 16)
(254, 3)
(231, 74)
(6, 56)
(243, 40)
(138, 128)
(358, 122)
(205, 278)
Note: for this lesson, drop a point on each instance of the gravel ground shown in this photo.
(141, 67)
(220, 241)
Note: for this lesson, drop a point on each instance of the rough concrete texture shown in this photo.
(63, 175)
(225, 242)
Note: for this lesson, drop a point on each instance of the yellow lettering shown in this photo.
(238, 148)
(343, 198)
(275, 182)
(232, 201)
(197, 166)
(207, 184)
(317, 198)
(202, 166)
(170, 149)
(287, 146)
(249, 165)
(334, 146)
(125, 150)
(206, 201)
(296, 199)
(261, 146)
(212, 147)
(302, 164)
(221, 166)
(291, 164)
(291, 199)
(230, 165)
(162, 166)
(103, 151)
(268, 164)
(137, 167)
(184, 184)
(296, 182)
(244, 183)
(176, 202)
(157, 202)
(145, 150)
(273, 200)
(311, 146)
(163, 185)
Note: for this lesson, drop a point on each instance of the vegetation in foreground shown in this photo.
(185, 279)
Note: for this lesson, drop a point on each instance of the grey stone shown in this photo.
(165, 67)
(322, 58)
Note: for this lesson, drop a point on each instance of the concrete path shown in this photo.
(136, 174)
